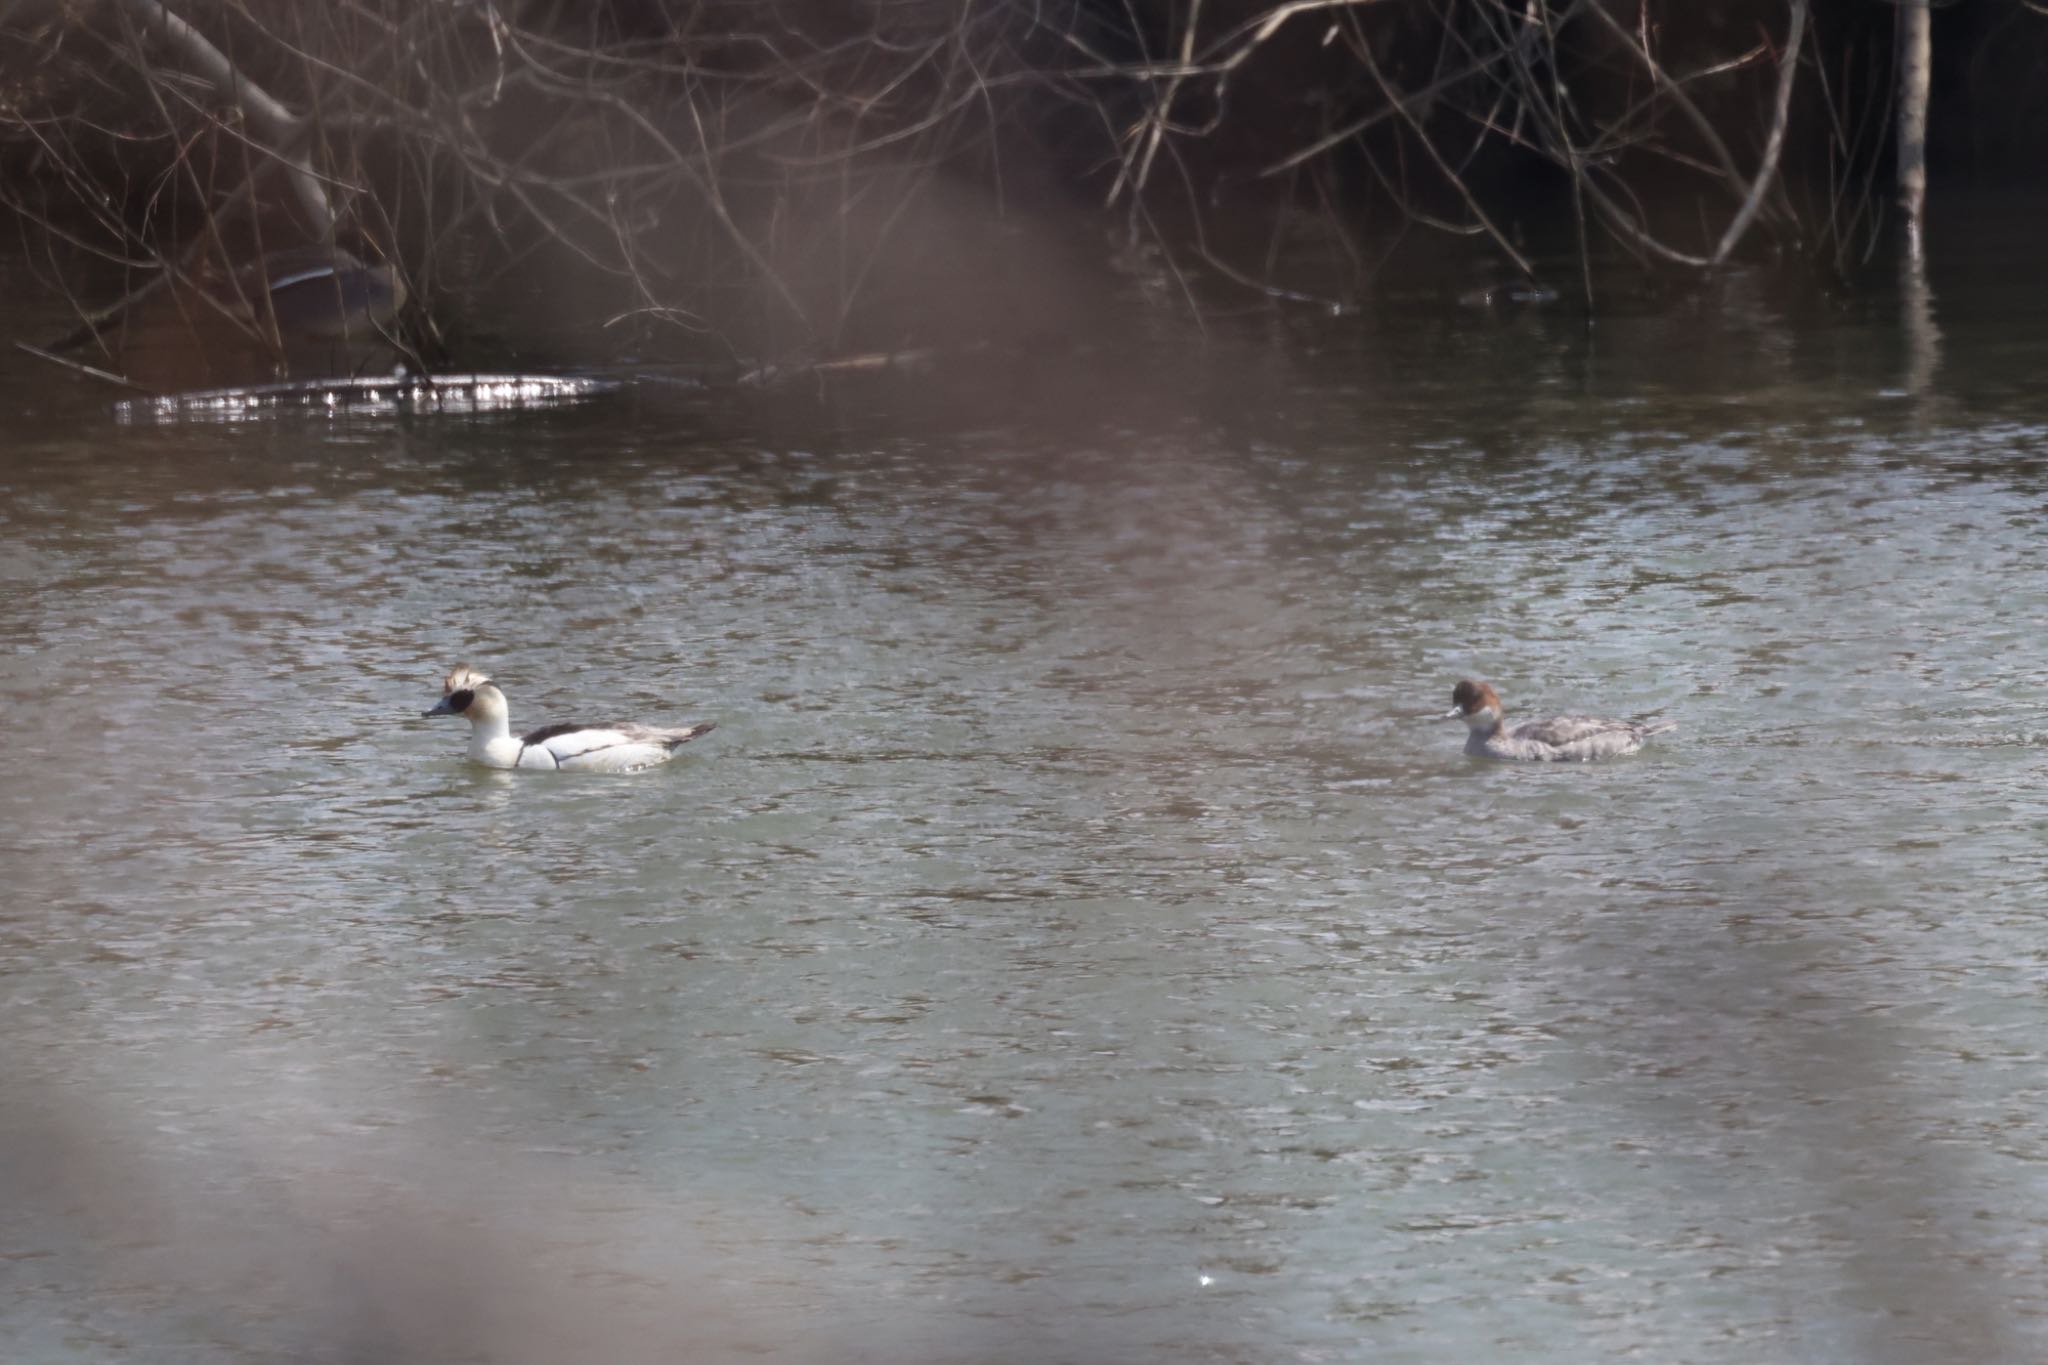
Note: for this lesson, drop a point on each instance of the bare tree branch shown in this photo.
(276, 124)
(1774, 146)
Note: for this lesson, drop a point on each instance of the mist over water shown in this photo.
(1081, 938)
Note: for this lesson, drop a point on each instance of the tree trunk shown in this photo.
(1916, 43)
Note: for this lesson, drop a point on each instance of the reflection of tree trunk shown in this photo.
(1916, 41)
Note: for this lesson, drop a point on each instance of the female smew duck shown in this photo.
(571, 748)
(1561, 739)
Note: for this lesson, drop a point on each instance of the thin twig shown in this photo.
(90, 371)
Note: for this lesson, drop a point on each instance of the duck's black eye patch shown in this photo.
(458, 702)
(1464, 694)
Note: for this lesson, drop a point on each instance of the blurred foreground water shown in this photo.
(1081, 940)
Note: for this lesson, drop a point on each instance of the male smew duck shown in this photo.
(571, 748)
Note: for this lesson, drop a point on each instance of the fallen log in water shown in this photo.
(378, 395)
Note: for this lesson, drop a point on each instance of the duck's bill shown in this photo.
(1455, 713)
(439, 708)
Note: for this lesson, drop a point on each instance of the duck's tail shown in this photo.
(676, 739)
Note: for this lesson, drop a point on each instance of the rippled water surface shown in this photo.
(1081, 939)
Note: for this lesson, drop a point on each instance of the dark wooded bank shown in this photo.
(732, 181)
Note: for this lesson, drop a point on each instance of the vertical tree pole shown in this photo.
(1916, 45)
(1923, 337)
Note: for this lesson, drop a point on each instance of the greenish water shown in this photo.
(1081, 939)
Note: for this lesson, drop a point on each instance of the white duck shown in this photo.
(1560, 739)
(572, 748)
